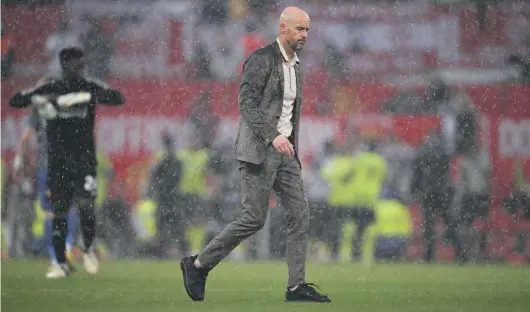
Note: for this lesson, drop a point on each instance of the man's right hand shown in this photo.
(282, 145)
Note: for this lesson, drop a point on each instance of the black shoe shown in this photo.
(194, 278)
(305, 293)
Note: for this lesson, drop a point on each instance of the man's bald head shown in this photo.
(292, 14)
(294, 25)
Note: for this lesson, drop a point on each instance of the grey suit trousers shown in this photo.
(283, 175)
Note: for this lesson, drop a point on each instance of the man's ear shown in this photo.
(283, 28)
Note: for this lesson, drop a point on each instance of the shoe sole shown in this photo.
(184, 277)
(302, 300)
(91, 272)
(307, 301)
(72, 270)
(55, 278)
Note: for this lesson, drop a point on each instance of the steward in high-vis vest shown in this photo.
(192, 186)
(393, 228)
(356, 184)
(104, 172)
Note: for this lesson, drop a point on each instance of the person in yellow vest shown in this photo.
(393, 227)
(192, 187)
(355, 184)
(334, 173)
(38, 226)
(144, 221)
(105, 173)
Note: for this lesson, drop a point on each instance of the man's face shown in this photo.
(75, 66)
(295, 32)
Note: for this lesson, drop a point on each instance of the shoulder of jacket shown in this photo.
(266, 51)
(97, 82)
(46, 80)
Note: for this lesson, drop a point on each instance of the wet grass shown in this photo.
(157, 286)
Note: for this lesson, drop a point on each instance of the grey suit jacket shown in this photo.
(260, 104)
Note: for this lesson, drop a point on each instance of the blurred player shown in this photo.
(68, 104)
(37, 125)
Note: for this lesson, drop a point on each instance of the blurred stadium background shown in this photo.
(395, 71)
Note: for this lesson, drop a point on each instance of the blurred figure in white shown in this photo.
(20, 213)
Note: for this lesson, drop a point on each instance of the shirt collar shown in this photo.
(284, 55)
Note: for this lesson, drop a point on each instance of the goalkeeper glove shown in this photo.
(70, 99)
(45, 109)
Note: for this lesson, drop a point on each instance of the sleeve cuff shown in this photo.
(274, 134)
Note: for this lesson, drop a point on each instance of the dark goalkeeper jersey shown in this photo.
(70, 126)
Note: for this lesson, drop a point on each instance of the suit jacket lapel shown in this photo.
(298, 74)
(279, 69)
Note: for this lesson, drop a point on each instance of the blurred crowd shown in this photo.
(362, 191)
(225, 32)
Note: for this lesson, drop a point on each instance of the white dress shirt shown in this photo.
(285, 125)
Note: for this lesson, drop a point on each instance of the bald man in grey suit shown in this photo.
(270, 99)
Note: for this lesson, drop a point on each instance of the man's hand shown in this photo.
(282, 145)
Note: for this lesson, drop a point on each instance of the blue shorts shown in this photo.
(42, 176)
(390, 247)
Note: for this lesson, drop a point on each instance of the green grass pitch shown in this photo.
(135, 286)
